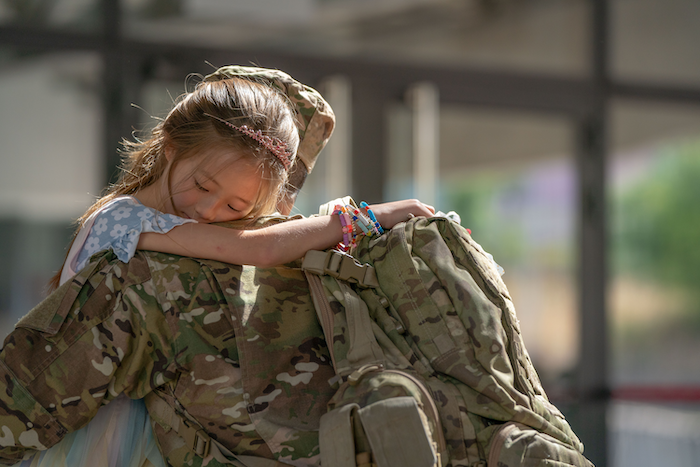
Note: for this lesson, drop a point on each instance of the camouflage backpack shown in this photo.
(431, 367)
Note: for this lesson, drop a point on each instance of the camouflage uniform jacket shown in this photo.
(235, 347)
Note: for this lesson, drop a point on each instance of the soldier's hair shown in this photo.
(189, 128)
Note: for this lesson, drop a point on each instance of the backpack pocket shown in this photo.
(517, 445)
(384, 417)
(398, 434)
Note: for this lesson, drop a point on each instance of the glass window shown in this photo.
(75, 15)
(655, 259)
(51, 157)
(655, 41)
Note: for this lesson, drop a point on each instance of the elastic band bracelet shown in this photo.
(377, 225)
(345, 245)
(367, 222)
(351, 231)
(359, 220)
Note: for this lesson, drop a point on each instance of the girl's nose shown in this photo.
(207, 210)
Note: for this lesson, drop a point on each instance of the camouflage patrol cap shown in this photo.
(315, 118)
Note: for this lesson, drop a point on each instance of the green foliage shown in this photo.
(473, 199)
(516, 215)
(657, 221)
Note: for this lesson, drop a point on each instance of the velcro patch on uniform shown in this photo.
(41, 316)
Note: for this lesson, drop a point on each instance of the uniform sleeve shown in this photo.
(99, 335)
(118, 228)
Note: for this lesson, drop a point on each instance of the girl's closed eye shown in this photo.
(199, 186)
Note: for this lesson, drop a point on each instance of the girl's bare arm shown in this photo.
(269, 246)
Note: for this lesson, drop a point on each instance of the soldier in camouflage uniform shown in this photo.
(314, 121)
(234, 367)
(236, 355)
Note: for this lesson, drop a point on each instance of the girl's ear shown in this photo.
(169, 152)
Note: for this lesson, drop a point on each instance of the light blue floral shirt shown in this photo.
(118, 226)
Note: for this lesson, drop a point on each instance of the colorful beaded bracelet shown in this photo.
(376, 224)
(360, 220)
(354, 223)
(348, 228)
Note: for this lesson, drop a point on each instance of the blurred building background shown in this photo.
(566, 133)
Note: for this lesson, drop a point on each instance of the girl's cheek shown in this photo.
(183, 201)
(190, 197)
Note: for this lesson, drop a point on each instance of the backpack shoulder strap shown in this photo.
(343, 269)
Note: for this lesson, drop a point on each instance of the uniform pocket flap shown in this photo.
(336, 439)
(41, 317)
(398, 433)
(48, 316)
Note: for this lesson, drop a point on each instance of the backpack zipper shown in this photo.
(499, 439)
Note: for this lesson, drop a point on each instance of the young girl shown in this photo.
(222, 154)
(225, 152)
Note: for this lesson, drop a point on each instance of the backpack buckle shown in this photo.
(346, 268)
(201, 442)
(341, 266)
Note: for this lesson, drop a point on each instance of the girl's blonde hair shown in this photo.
(196, 123)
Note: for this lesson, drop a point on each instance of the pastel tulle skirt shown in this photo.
(120, 435)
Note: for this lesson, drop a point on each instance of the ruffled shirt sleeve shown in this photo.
(117, 226)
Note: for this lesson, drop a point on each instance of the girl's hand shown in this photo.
(390, 214)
